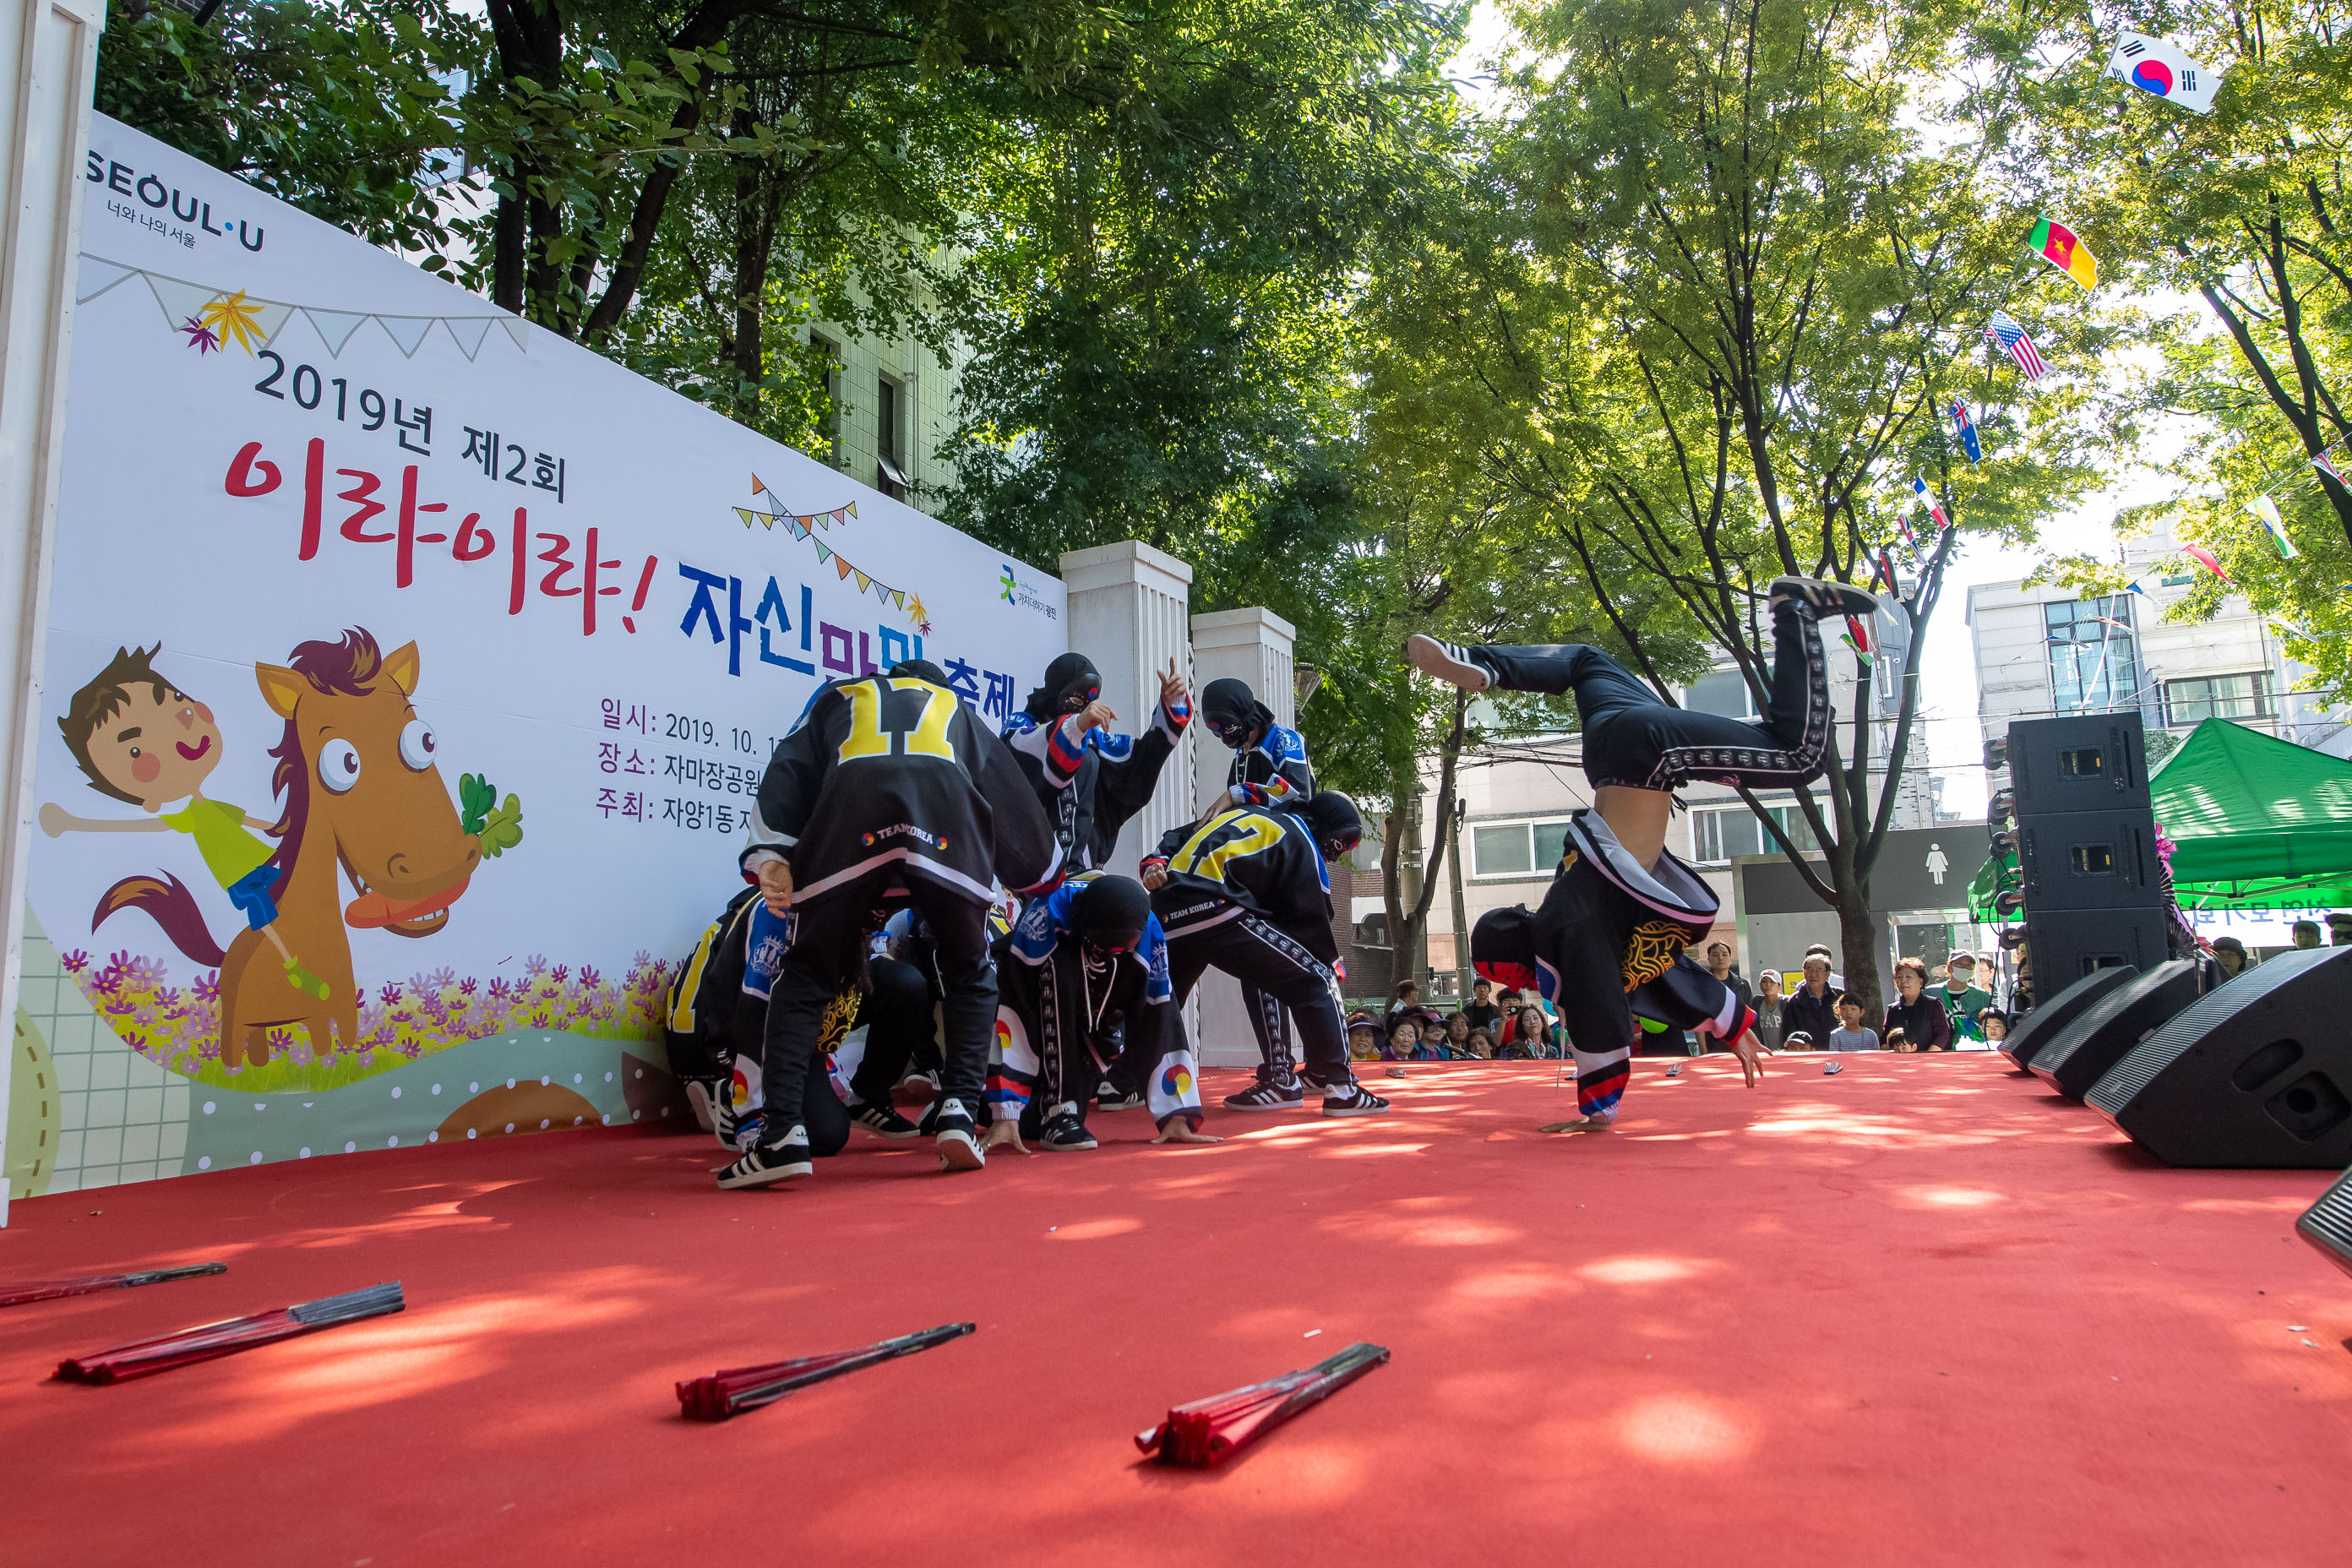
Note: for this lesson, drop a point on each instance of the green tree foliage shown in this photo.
(2243, 217)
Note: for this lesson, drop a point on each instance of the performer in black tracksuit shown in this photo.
(889, 790)
(1248, 892)
(1089, 780)
(1609, 940)
(1084, 979)
(1270, 766)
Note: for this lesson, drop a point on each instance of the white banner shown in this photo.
(411, 671)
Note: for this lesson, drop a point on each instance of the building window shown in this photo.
(828, 358)
(2189, 702)
(1725, 692)
(889, 464)
(2094, 657)
(1719, 833)
(1521, 849)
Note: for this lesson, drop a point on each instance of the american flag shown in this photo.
(2006, 333)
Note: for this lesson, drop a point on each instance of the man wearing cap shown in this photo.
(1249, 892)
(1090, 779)
(1085, 981)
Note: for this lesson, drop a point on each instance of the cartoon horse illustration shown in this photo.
(356, 770)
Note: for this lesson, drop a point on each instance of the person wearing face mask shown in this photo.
(1249, 891)
(1084, 985)
(1090, 779)
(1270, 766)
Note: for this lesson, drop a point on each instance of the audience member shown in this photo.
(1837, 981)
(2339, 928)
(1403, 1001)
(1797, 1041)
(1961, 1000)
(1768, 1008)
(1363, 1037)
(1482, 1012)
(1921, 1017)
(1811, 1007)
(1433, 1040)
(1719, 964)
(1851, 1035)
(2229, 956)
(1529, 1027)
(2306, 933)
(1404, 1040)
(1457, 1036)
(1897, 1041)
(1992, 1027)
(1482, 1044)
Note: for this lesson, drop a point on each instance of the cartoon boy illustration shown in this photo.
(141, 740)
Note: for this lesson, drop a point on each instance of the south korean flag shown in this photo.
(2162, 71)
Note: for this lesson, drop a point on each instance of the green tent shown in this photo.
(2256, 822)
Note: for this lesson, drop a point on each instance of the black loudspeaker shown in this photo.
(2049, 1019)
(2327, 1224)
(2067, 944)
(2108, 1028)
(2089, 859)
(2093, 764)
(2255, 1074)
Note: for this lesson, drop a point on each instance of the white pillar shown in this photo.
(47, 75)
(1252, 645)
(1127, 606)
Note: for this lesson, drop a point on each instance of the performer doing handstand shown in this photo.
(1608, 939)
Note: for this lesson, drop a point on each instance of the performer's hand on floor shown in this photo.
(1561, 1126)
(776, 886)
(1182, 1131)
(1748, 1049)
(1005, 1134)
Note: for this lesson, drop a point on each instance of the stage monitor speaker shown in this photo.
(2253, 1075)
(2107, 1029)
(2092, 764)
(2327, 1224)
(2089, 860)
(2049, 1019)
(2067, 944)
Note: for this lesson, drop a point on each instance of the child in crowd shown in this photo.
(1994, 1025)
(1852, 1036)
(1897, 1041)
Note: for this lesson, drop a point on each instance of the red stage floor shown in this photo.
(1919, 1312)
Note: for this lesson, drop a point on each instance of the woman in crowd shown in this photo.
(1457, 1037)
(1768, 1008)
(1404, 1040)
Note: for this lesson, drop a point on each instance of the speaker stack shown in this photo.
(2327, 1224)
(2255, 1074)
(2085, 847)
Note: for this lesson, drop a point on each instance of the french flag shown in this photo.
(1927, 498)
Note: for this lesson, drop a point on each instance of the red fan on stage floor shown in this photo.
(1208, 1430)
(49, 1290)
(144, 1357)
(741, 1388)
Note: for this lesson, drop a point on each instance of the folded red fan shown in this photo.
(49, 1290)
(738, 1389)
(144, 1358)
(1208, 1430)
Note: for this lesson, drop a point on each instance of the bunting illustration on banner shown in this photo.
(803, 525)
(2267, 511)
(212, 319)
(1966, 429)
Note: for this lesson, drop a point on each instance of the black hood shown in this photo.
(1069, 676)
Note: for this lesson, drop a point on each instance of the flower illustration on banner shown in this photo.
(233, 316)
(200, 337)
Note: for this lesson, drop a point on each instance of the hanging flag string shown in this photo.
(213, 317)
(804, 525)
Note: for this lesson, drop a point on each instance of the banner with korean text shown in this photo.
(410, 673)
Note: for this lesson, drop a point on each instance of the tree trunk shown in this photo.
(755, 242)
(529, 39)
(1858, 945)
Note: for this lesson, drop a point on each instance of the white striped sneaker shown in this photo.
(1448, 661)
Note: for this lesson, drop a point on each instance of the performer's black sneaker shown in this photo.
(1352, 1099)
(728, 1123)
(1284, 1094)
(882, 1120)
(959, 1150)
(701, 1097)
(764, 1163)
(1064, 1133)
(1111, 1100)
(1448, 661)
(1822, 598)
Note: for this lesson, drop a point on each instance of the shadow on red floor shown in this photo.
(1919, 1312)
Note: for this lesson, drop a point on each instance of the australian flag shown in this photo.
(1967, 431)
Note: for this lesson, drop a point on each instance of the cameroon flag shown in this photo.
(2056, 244)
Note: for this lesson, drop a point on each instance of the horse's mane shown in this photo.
(347, 667)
